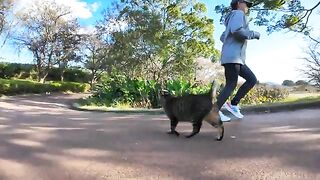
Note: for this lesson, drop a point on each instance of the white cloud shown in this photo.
(79, 8)
(95, 6)
(87, 30)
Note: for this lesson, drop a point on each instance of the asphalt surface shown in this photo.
(41, 138)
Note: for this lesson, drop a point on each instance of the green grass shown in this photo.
(104, 108)
(293, 99)
(116, 109)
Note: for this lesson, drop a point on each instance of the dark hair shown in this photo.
(234, 5)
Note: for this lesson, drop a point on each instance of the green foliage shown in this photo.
(161, 40)
(178, 87)
(119, 90)
(16, 70)
(181, 86)
(28, 71)
(262, 94)
(12, 87)
(68, 86)
(70, 75)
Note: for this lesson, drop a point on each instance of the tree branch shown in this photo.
(315, 40)
(308, 13)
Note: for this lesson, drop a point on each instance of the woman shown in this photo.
(233, 56)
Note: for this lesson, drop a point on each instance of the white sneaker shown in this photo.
(234, 110)
(223, 117)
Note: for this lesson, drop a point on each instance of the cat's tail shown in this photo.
(213, 90)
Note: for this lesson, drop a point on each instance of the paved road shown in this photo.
(40, 138)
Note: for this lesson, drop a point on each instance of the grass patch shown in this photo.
(290, 103)
(291, 100)
(302, 98)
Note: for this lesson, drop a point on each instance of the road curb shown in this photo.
(247, 110)
(76, 106)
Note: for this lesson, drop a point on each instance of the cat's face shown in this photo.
(164, 96)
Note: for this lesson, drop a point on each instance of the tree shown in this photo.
(301, 82)
(277, 15)
(5, 6)
(42, 31)
(159, 39)
(95, 58)
(288, 83)
(68, 46)
(312, 67)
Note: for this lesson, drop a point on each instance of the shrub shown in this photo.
(16, 70)
(264, 94)
(12, 87)
(28, 71)
(119, 89)
(70, 75)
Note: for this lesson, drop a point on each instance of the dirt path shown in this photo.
(40, 138)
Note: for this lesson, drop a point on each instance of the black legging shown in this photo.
(232, 71)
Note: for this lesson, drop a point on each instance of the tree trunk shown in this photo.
(62, 75)
(42, 76)
(41, 73)
(62, 69)
(93, 79)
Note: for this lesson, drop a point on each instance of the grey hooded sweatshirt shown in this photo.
(235, 38)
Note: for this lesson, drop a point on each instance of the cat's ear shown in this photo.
(164, 92)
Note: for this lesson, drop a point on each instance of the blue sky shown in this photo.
(273, 58)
